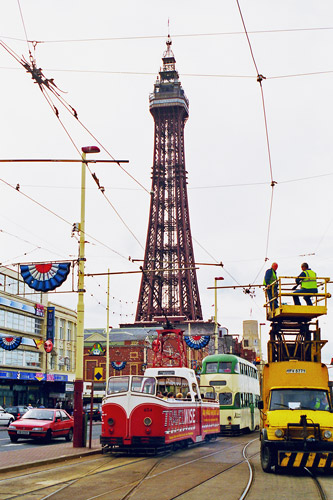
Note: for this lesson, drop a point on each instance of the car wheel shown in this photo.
(48, 436)
(10, 421)
(13, 439)
(69, 436)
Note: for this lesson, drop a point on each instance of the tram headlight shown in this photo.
(110, 421)
(279, 433)
(147, 421)
(327, 434)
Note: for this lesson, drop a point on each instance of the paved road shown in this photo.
(7, 445)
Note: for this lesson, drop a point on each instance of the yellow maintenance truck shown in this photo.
(296, 407)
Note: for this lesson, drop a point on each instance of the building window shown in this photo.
(69, 331)
(11, 285)
(2, 317)
(61, 329)
(21, 287)
(38, 326)
(32, 359)
(246, 343)
(61, 360)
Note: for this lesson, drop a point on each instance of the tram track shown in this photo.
(320, 489)
(65, 487)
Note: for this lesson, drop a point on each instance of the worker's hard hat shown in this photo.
(274, 266)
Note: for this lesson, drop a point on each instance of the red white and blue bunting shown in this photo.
(118, 365)
(45, 277)
(197, 341)
(10, 343)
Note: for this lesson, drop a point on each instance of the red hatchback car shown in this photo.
(40, 423)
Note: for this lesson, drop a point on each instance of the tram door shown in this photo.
(252, 414)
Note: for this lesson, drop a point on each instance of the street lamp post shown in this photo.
(216, 337)
(107, 368)
(79, 428)
(260, 353)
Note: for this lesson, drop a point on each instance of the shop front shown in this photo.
(23, 388)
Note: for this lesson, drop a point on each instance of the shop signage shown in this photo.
(50, 319)
(33, 376)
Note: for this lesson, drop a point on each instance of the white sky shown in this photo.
(108, 82)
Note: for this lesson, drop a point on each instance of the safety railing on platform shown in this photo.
(280, 294)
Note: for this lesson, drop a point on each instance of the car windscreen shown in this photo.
(37, 414)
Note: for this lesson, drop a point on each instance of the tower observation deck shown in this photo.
(169, 284)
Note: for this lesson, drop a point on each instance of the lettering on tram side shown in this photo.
(211, 418)
(177, 417)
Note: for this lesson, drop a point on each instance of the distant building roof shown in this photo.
(119, 334)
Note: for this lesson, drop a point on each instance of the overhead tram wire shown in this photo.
(46, 85)
(260, 78)
(179, 35)
(62, 219)
(195, 75)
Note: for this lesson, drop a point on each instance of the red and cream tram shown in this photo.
(134, 417)
(137, 415)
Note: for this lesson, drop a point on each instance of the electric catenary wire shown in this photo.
(49, 85)
(179, 35)
(260, 79)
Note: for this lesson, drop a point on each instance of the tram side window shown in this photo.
(237, 403)
(173, 384)
(225, 398)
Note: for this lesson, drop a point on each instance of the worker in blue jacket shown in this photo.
(308, 281)
(269, 279)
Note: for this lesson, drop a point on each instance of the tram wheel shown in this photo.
(266, 458)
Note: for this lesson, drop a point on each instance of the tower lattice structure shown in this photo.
(169, 286)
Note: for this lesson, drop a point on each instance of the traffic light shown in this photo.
(257, 361)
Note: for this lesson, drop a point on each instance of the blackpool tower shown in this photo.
(169, 286)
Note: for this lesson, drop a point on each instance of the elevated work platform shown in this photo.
(294, 334)
(281, 305)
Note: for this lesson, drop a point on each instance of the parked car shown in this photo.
(40, 423)
(97, 412)
(17, 411)
(5, 417)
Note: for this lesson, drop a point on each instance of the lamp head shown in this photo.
(90, 149)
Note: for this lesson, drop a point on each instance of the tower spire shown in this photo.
(169, 283)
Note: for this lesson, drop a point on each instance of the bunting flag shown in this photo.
(197, 341)
(118, 365)
(19, 341)
(45, 277)
(10, 343)
(38, 342)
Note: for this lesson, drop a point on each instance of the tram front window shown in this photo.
(225, 367)
(225, 398)
(211, 367)
(117, 384)
(145, 385)
(299, 399)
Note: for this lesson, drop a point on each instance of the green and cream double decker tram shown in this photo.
(236, 383)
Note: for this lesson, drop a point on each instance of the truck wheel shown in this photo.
(266, 458)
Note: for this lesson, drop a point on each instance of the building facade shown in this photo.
(27, 373)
